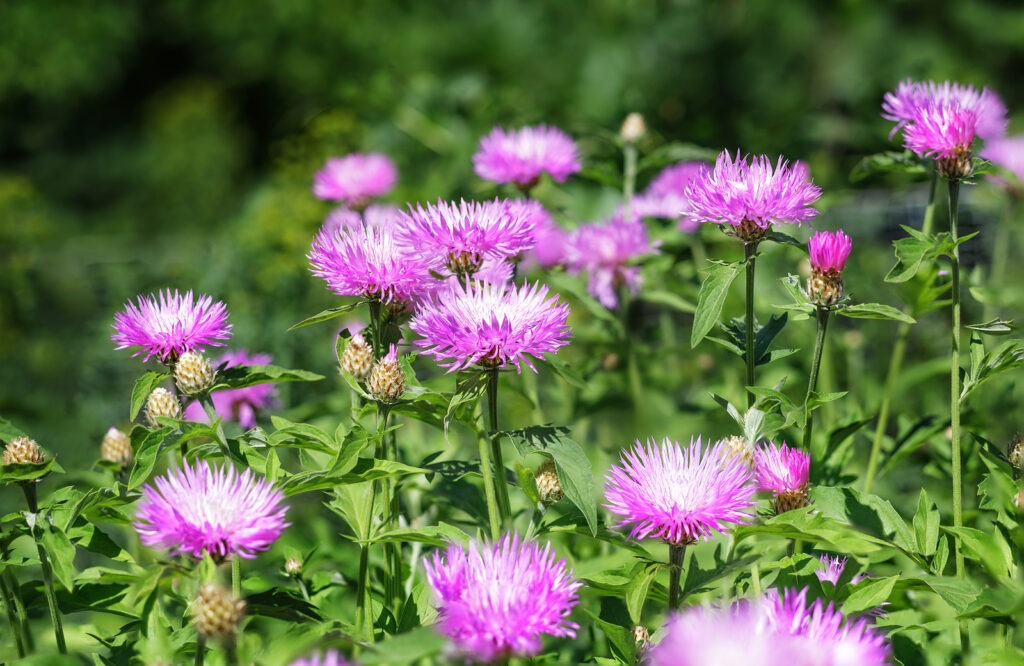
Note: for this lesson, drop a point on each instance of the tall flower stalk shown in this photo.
(750, 256)
(44, 564)
(501, 485)
(954, 373)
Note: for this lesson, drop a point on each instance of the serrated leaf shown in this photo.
(713, 291)
(989, 548)
(875, 311)
(144, 385)
(326, 315)
(869, 594)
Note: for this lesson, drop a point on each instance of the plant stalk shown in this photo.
(200, 650)
(493, 516)
(44, 564)
(676, 552)
(12, 616)
(628, 178)
(236, 577)
(812, 384)
(954, 387)
(749, 250)
(504, 507)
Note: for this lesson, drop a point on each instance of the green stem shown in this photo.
(629, 178)
(755, 580)
(493, 517)
(504, 506)
(676, 552)
(26, 628)
(232, 651)
(44, 564)
(812, 384)
(236, 577)
(749, 250)
(393, 589)
(200, 650)
(896, 360)
(12, 616)
(535, 520)
(376, 314)
(954, 384)
(364, 614)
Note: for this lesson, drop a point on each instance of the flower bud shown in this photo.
(23, 450)
(292, 566)
(1018, 500)
(633, 128)
(788, 500)
(216, 613)
(465, 263)
(740, 447)
(958, 166)
(825, 289)
(387, 383)
(357, 359)
(193, 373)
(641, 635)
(549, 487)
(116, 447)
(1015, 451)
(161, 402)
(829, 252)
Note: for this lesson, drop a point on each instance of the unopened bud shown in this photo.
(193, 373)
(739, 447)
(825, 288)
(357, 359)
(216, 613)
(23, 450)
(633, 128)
(465, 263)
(788, 500)
(641, 635)
(116, 447)
(293, 567)
(549, 487)
(747, 231)
(1015, 451)
(958, 166)
(162, 402)
(387, 383)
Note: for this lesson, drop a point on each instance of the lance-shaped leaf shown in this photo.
(713, 291)
(326, 315)
(874, 311)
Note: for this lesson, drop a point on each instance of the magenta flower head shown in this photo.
(679, 494)
(904, 104)
(491, 325)
(378, 216)
(606, 251)
(549, 239)
(368, 262)
(329, 658)
(461, 235)
(242, 404)
(750, 195)
(666, 196)
(205, 509)
(1007, 153)
(496, 601)
(355, 178)
(784, 472)
(170, 324)
(829, 251)
(521, 156)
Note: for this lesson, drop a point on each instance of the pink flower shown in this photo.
(666, 196)
(520, 156)
(679, 494)
(941, 131)
(1008, 153)
(237, 404)
(355, 178)
(910, 97)
(329, 658)
(171, 324)
(549, 239)
(781, 470)
(829, 251)
(377, 216)
(606, 251)
(497, 601)
(205, 509)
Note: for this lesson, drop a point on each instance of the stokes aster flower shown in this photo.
(679, 494)
(496, 601)
(491, 325)
(355, 178)
(829, 252)
(242, 404)
(604, 251)
(368, 262)
(784, 472)
(208, 509)
(521, 156)
(170, 324)
(751, 196)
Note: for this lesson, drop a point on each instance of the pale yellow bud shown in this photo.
(162, 402)
(387, 383)
(116, 447)
(549, 487)
(23, 450)
(357, 359)
(193, 373)
(633, 128)
(216, 613)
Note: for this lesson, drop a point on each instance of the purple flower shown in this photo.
(520, 156)
(208, 509)
(329, 658)
(666, 195)
(496, 601)
(910, 97)
(751, 197)
(833, 569)
(355, 178)
(679, 494)
(368, 262)
(781, 470)
(378, 216)
(943, 131)
(549, 239)
(491, 325)
(237, 404)
(829, 251)
(1008, 153)
(605, 251)
(170, 324)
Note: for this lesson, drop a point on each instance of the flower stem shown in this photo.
(954, 384)
(749, 250)
(236, 577)
(44, 564)
(12, 616)
(200, 650)
(896, 360)
(504, 507)
(376, 313)
(364, 614)
(629, 178)
(755, 580)
(493, 517)
(393, 588)
(812, 383)
(675, 563)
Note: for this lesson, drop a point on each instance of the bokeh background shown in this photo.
(147, 145)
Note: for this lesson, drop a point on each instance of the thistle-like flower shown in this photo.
(241, 404)
(162, 402)
(549, 486)
(22, 450)
(784, 472)
(829, 251)
(329, 658)
(496, 601)
(606, 251)
(460, 236)
(355, 178)
(387, 381)
(1008, 153)
(679, 494)
(491, 325)
(116, 447)
(666, 196)
(751, 196)
(368, 262)
(193, 373)
(357, 359)
(521, 156)
(170, 324)
(378, 216)
(216, 613)
(205, 509)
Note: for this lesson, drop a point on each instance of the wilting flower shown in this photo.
(170, 323)
(910, 97)
(461, 235)
(491, 325)
(355, 178)
(369, 262)
(666, 195)
(329, 658)
(496, 601)
(829, 252)
(208, 509)
(605, 251)
(1008, 153)
(520, 156)
(784, 472)
(241, 404)
(679, 494)
(751, 197)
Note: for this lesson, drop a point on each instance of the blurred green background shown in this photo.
(146, 145)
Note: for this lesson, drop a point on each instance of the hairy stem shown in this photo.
(44, 564)
(812, 383)
(750, 249)
(675, 564)
(504, 507)
(364, 614)
(493, 517)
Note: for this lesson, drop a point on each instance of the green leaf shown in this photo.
(985, 366)
(874, 311)
(468, 389)
(301, 435)
(869, 594)
(144, 385)
(994, 327)
(565, 371)
(818, 399)
(62, 554)
(435, 535)
(26, 472)
(784, 239)
(910, 254)
(241, 376)
(527, 483)
(571, 463)
(9, 431)
(675, 152)
(148, 445)
(713, 291)
(926, 525)
(888, 162)
(325, 315)
(987, 547)
(817, 528)
(636, 594)
(868, 512)
(409, 648)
